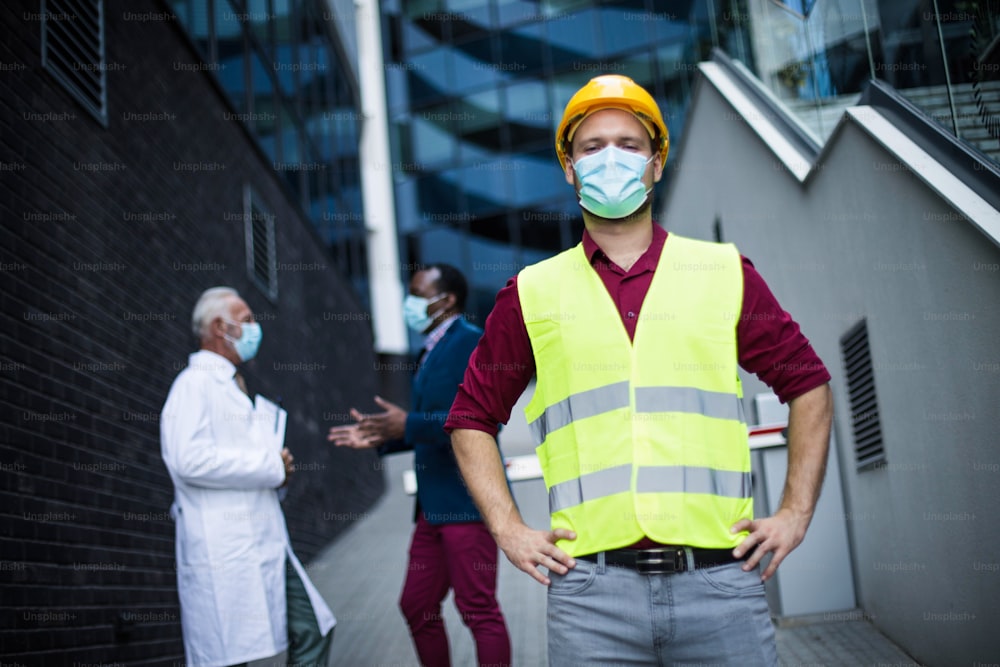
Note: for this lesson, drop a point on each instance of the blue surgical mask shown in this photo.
(248, 343)
(611, 182)
(415, 312)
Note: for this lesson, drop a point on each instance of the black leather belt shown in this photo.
(666, 560)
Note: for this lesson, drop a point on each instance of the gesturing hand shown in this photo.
(351, 435)
(387, 425)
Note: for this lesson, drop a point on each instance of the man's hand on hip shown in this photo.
(527, 549)
(779, 534)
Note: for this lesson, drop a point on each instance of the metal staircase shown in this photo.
(977, 109)
(978, 116)
(822, 118)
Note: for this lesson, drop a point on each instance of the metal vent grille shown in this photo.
(865, 421)
(73, 51)
(262, 257)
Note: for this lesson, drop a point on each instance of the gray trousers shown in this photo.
(604, 615)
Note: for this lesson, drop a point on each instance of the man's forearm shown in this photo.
(809, 419)
(479, 460)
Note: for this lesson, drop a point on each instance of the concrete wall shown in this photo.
(863, 237)
(108, 237)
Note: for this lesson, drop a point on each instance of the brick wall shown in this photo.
(109, 236)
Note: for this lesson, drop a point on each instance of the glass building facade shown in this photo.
(285, 71)
(476, 89)
(942, 54)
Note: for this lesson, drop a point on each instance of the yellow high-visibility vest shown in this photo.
(644, 437)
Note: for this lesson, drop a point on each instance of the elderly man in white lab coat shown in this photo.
(244, 595)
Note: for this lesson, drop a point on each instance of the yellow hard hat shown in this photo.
(612, 91)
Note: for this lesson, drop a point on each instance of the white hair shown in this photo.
(213, 302)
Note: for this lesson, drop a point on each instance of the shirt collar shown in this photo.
(216, 365)
(646, 262)
(438, 332)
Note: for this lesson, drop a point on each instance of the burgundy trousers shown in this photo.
(462, 557)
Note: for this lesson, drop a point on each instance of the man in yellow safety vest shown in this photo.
(635, 337)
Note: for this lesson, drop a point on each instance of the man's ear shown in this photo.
(657, 167)
(218, 328)
(568, 168)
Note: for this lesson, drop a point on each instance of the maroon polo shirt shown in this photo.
(769, 342)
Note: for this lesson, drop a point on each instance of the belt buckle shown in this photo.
(661, 561)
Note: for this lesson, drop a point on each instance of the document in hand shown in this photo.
(269, 421)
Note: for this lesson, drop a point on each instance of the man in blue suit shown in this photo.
(451, 547)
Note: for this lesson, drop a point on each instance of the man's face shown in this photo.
(424, 283)
(612, 127)
(239, 312)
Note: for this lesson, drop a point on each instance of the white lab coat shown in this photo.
(232, 541)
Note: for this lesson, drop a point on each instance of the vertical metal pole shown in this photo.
(710, 5)
(868, 39)
(947, 75)
(815, 85)
(738, 20)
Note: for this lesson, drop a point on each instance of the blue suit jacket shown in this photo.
(441, 493)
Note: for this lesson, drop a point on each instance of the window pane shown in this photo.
(433, 137)
(259, 22)
(536, 177)
(573, 39)
(323, 109)
(626, 30)
(283, 19)
(417, 9)
(428, 76)
(475, 66)
(528, 103)
(436, 198)
(292, 150)
(347, 120)
(479, 119)
(193, 15)
(526, 47)
(415, 38)
(230, 50)
(528, 114)
(468, 17)
(639, 68)
(265, 116)
(516, 11)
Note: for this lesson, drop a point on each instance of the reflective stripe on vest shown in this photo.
(579, 406)
(649, 479)
(714, 404)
